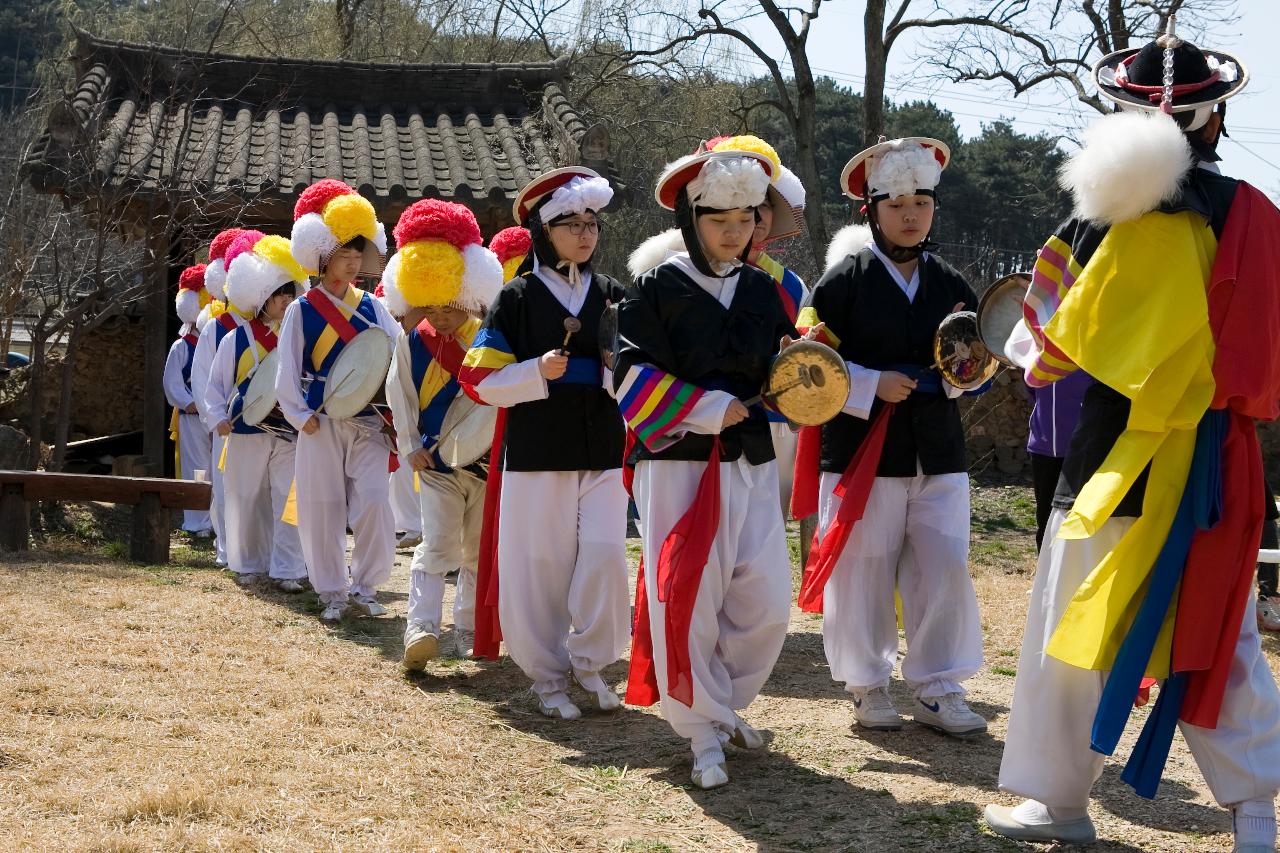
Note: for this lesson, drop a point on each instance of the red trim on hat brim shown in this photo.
(540, 186)
(669, 190)
(858, 177)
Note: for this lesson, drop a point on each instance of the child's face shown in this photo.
(445, 319)
(905, 220)
(343, 266)
(765, 225)
(577, 248)
(276, 305)
(725, 234)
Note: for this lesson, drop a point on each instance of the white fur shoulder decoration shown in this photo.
(1130, 163)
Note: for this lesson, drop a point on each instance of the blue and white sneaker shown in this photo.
(873, 709)
(949, 714)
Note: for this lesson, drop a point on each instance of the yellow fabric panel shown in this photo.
(247, 362)
(290, 513)
(329, 336)
(436, 377)
(808, 318)
(1137, 320)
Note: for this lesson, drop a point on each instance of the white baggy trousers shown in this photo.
(452, 514)
(562, 572)
(256, 478)
(744, 599)
(341, 473)
(915, 535)
(218, 503)
(1046, 753)
(404, 502)
(785, 440)
(194, 454)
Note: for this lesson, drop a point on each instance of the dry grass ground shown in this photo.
(165, 709)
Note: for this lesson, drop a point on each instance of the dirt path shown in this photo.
(145, 709)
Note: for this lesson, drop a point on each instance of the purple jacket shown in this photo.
(1055, 412)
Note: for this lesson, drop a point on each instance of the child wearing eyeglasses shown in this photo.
(562, 597)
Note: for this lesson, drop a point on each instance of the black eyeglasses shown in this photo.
(577, 227)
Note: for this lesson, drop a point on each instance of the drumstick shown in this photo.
(810, 375)
(571, 325)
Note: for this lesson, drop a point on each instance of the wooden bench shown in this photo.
(151, 497)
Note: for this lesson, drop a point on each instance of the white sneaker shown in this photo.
(1269, 614)
(290, 585)
(873, 709)
(1002, 820)
(420, 645)
(558, 705)
(949, 714)
(464, 643)
(334, 611)
(244, 580)
(746, 737)
(368, 605)
(606, 699)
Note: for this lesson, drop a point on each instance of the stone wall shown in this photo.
(995, 426)
(106, 389)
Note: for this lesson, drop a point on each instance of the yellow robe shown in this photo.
(1137, 320)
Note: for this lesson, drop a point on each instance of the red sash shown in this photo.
(446, 351)
(227, 321)
(263, 335)
(805, 474)
(331, 314)
(853, 490)
(488, 629)
(191, 338)
(681, 562)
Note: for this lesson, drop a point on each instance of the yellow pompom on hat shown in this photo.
(440, 260)
(329, 214)
(785, 193)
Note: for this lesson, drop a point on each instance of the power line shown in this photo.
(1255, 154)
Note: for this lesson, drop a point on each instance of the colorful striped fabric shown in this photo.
(489, 352)
(654, 403)
(1055, 271)
(790, 288)
(807, 319)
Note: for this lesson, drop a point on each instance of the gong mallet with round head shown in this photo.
(572, 325)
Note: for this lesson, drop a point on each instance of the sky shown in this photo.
(1252, 154)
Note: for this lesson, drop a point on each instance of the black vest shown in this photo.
(578, 426)
(878, 328)
(673, 324)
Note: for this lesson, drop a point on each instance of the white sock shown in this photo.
(1254, 822)
(1036, 813)
(708, 758)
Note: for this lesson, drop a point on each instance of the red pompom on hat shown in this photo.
(511, 243)
(434, 219)
(315, 197)
(218, 248)
(192, 278)
(243, 243)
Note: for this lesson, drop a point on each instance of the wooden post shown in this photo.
(150, 541)
(13, 518)
(808, 525)
(155, 425)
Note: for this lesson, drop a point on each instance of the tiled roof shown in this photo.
(160, 119)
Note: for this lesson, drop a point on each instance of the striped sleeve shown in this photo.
(488, 354)
(808, 318)
(654, 404)
(1056, 270)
